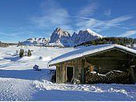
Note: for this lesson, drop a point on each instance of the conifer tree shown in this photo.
(29, 53)
(21, 53)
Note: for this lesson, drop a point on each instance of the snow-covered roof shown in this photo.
(83, 51)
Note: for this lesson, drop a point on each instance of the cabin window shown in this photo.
(69, 74)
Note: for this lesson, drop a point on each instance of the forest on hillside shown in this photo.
(111, 40)
(2, 44)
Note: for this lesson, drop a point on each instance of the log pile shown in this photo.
(114, 76)
(118, 77)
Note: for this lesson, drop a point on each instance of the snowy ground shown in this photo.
(18, 81)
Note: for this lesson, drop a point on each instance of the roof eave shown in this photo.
(115, 46)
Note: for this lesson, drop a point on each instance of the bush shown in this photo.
(21, 53)
(29, 53)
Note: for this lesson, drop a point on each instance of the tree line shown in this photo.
(110, 40)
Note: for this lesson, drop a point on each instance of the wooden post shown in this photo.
(57, 74)
(63, 72)
(76, 69)
(83, 72)
(132, 75)
(131, 70)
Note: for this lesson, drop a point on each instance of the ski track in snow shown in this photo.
(18, 81)
(15, 89)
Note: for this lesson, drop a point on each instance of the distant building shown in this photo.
(100, 59)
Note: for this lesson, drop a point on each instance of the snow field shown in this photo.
(18, 81)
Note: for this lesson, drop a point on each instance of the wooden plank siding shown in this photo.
(104, 62)
(58, 74)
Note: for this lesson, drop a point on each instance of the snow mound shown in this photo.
(122, 91)
(48, 58)
(66, 87)
(28, 58)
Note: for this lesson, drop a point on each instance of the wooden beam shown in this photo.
(57, 74)
(132, 75)
(82, 72)
(108, 58)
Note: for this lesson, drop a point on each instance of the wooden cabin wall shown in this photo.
(60, 74)
(61, 70)
(76, 64)
(105, 62)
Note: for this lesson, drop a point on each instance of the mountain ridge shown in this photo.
(62, 38)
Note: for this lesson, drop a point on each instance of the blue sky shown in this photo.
(22, 19)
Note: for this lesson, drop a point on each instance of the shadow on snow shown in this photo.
(16, 58)
(26, 74)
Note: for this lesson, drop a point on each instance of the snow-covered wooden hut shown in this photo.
(100, 59)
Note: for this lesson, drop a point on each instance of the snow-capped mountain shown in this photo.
(36, 41)
(84, 36)
(62, 38)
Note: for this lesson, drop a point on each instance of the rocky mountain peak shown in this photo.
(89, 31)
(84, 36)
(58, 34)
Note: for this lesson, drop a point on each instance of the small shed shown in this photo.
(99, 58)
